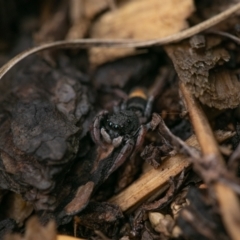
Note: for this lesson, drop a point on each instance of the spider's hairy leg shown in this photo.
(117, 141)
(96, 126)
(125, 152)
(141, 136)
(106, 136)
(148, 109)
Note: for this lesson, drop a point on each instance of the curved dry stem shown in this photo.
(121, 43)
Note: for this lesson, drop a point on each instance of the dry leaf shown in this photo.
(140, 20)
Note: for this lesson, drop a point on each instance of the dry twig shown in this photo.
(228, 201)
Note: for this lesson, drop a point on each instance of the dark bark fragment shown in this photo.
(43, 113)
(202, 72)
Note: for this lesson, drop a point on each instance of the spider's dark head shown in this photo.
(121, 123)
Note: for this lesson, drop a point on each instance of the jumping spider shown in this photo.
(124, 127)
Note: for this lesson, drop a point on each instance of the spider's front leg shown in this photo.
(100, 135)
(95, 129)
(131, 147)
(122, 156)
(141, 136)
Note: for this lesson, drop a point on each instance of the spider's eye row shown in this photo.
(112, 125)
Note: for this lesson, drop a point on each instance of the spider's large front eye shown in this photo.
(110, 124)
(116, 126)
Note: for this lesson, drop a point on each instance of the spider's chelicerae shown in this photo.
(126, 126)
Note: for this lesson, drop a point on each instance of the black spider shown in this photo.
(124, 127)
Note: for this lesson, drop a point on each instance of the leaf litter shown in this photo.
(50, 167)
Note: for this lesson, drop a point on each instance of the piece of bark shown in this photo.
(158, 19)
(202, 72)
(156, 180)
(197, 42)
(40, 110)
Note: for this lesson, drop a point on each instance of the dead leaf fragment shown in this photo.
(139, 20)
